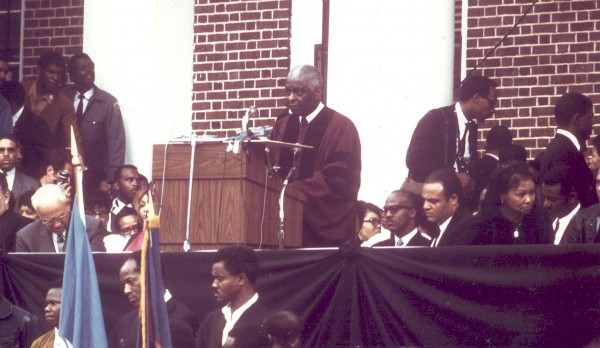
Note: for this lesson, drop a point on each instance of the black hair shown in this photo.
(24, 198)
(363, 207)
(49, 58)
(73, 59)
(11, 137)
(570, 104)
(285, 326)
(121, 168)
(506, 177)
(512, 152)
(56, 158)
(13, 91)
(563, 176)
(475, 84)
(239, 259)
(498, 137)
(97, 198)
(449, 181)
(126, 211)
(416, 201)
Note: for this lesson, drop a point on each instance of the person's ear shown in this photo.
(453, 200)
(318, 93)
(572, 197)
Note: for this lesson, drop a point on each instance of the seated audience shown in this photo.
(52, 315)
(442, 195)
(127, 184)
(403, 216)
(49, 233)
(24, 206)
(10, 222)
(129, 236)
(30, 130)
(284, 329)
(370, 217)
(560, 200)
(507, 214)
(126, 331)
(18, 328)
(234, 271)
(97, 204)
(18, 182)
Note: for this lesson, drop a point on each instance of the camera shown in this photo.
(63, 177)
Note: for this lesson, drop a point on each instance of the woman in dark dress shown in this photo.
(508, 213)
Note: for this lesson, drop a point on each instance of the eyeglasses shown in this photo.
(54, 219)
(394, 208)
(492, 102)
(130, 230)
(374, 221)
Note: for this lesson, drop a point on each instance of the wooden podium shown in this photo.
(233, 200)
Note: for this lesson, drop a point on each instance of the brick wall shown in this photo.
(241, 58)
(555, 49)
(51, 25)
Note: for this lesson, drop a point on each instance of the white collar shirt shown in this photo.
(563, 222)
(86, 98)
(232, 317)
(315, 112)
(10, 178)
(406, 238)
(17, 114)
(443, 227)
(59, 246)
(570, 136)
(462, 128)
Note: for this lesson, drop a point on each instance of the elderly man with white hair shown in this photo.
(49, 233)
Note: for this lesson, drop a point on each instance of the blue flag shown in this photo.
(81, 322)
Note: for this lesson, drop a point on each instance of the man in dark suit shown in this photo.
(442, 195)
(29, 129)
(574, 119)
(560, 201)
(234, 271)
(100, 123)
(49, 232)
(18, 182)
(10, 222)
(402, 215)
(447, 137)
(126, 331)
(329, 173)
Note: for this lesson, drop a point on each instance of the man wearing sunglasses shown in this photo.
(447, 137)
(49, 233)
(403, 216)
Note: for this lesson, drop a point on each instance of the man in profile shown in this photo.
(574, 115)
(447, 137)
(329, 173)
(560, 201)
(442, 196)
(234, 272)
(126, 331)
(51, 314)
(100, 123)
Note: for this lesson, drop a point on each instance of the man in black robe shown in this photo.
(329, 173)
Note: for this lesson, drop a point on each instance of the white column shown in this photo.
(143, 55)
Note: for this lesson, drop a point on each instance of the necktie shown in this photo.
(399, 243)
(60, 241)
(556, 226)
(303, 129)
(79, 112)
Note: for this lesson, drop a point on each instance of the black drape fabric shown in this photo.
(479, 296)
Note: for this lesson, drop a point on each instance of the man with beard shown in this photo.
(100, 123)
(329, 173)
(234, 271)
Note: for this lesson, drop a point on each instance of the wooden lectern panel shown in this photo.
(233, 200)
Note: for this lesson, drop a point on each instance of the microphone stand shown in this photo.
(281, 234)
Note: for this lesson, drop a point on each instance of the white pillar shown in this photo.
(143, 51)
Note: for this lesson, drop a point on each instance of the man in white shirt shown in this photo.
(18, 182)
(127, 184)
(560, 200)
(234, 271)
